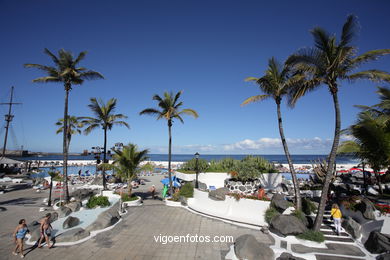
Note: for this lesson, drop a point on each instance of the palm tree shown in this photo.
(127, 162)
(66, 71)
(73, 127)
(373, 138)
(169, 110)
(104, 118)
(275, 84)
(328, 62)
(53, 174)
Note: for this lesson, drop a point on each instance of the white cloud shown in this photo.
(265, 145)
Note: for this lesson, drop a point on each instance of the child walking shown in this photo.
(336, 214)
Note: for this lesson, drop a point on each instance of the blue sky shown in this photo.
(205, 48)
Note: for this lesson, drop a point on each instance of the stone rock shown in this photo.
(74, 206)
(53, 216)
(63, 212)
(377, 243)
(367, 208)
(241, 188)
(247, 247)
(288, 256)
(202, 186)
(218, 194)
(105, 219)
(384, 257)
(70, 222)
(286, 225)
(279, 203)
(72, 235)
(352, 227)
(284, 187)
(264, 229)
(82, 194)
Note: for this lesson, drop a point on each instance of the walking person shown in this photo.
(19, 234)
(335, 213)
(153, 191)
(46, 229)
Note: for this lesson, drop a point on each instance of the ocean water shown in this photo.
(278, 158)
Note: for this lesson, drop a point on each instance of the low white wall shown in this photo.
(245, 210)
(217, 179)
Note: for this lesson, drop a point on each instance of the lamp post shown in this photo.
(197, 169)
(97, 151)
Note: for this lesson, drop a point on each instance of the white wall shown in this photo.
(245, 210)
(217, 179)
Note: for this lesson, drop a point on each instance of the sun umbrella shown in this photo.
(175, 181)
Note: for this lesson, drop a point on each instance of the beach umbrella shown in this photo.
(175, 181)
(355, 170)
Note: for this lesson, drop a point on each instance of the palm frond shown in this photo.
(79, 58)
(189, 112)
(52, 56)
(373, 75)
(89, 75)
(370, 56)
(254, 99)
(251, 79)
(47, 79)
(150, 111)
(348, 31)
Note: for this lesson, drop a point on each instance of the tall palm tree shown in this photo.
(67, 72)
(373, 137)
(53, 174)
(169, 110)
(74, 126)
(327, 63)
(127, 162)
(275, 84)
(104, 118)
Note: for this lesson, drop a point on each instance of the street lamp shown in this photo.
(197, 169)
(97, 151)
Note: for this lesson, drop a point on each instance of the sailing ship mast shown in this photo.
(8, 118)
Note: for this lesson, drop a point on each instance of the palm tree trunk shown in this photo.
(104, 158)
(65, 143)
(129, 187)
(170, 156)
(298, 201)
(378, 180)
(51, 188)
(331, 164)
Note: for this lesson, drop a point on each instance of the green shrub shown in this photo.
(270, 213)
(251, 167)
(175, 197)
(308, 206)
(95, 201)
(300, 215)
(190, 166)
(312, 235)
(187, 190)
(125, 197)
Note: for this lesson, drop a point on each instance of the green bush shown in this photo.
(251, 167)
(312, 235)
(300, 215)
(270, 213)
(190, 166)
(175, 197)
(308, 206)
(125, 197)
(187, 190)
(95, 201)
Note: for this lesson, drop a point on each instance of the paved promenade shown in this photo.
(132, 238)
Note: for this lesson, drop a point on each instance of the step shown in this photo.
(332, 233)
(325, 227)
(332, 257)
(339, 239)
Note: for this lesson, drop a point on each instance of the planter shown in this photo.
(132, 203)
(173, 203)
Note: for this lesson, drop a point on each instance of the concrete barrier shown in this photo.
(245, 211)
